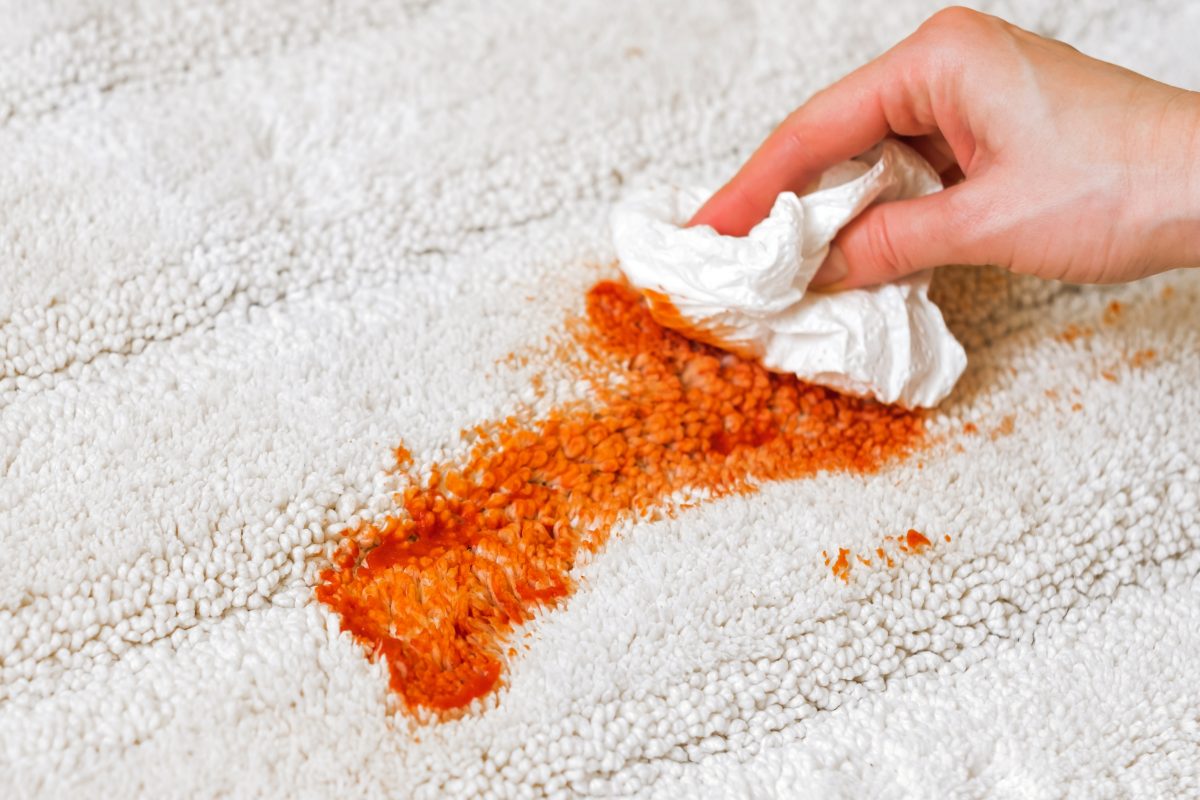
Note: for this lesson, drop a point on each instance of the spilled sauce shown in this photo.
(483, 543)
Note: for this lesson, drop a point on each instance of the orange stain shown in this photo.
(915, 541)
(841, 567)
(1142, 357)
(1073, 332)
(1113, 311)
(1005, 428)
(478, 546)
(666, 314)
(402, 456)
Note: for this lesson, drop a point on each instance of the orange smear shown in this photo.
(1108, 375)
(1005, 428)
(483, 543)
(666, 314)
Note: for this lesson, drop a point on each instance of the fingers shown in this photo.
(895, 239)
(836, 124)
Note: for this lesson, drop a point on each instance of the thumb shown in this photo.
(891, 240)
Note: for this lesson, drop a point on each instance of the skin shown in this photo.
(1058, 165)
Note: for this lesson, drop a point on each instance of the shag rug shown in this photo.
(249, 248)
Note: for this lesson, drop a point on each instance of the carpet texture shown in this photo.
(247, 248)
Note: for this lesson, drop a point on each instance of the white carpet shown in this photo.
(248, 247)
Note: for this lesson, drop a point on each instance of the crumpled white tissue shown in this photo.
(747, 294)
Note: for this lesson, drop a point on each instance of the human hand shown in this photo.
(1060, 165)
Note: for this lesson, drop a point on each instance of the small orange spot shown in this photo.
(1142, 357)
(1108, 375)
(1112, 312)
(1050, 393)
(1077, 406)
(915, 540)
(1168, 292)
(947, 537)
(970, 428)
(841, 567)
(864, 561)
(1073, 332)
(1005, 428)
(402, 456)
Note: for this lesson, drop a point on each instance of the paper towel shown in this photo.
(748, 294)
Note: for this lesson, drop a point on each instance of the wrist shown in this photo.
(1192, 181)
(1178, 182)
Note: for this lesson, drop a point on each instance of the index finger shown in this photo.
(837, 123)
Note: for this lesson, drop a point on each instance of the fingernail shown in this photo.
(833, 270)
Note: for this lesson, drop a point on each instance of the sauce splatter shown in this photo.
(479, 545)
(841, 567)
(912, 541)
(402, 456)
(1005, 428)
(1113, 311)
(1074, 332)
(1142, 357)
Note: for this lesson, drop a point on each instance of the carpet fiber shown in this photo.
(248, 248)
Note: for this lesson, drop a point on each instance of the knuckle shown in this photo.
(954, 37)
(954, 20)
